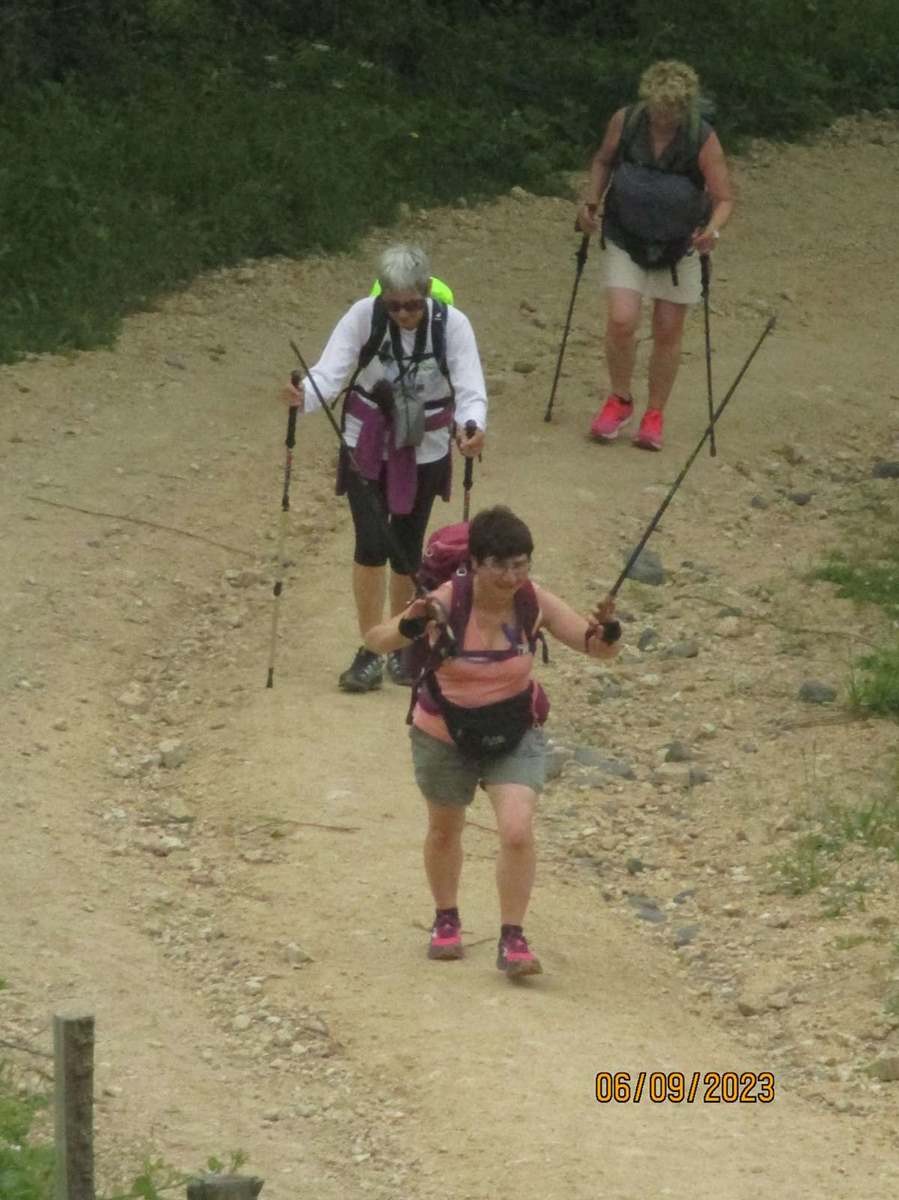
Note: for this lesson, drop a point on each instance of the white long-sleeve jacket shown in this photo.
(340, 355)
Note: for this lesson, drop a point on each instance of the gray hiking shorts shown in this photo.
(446, 776)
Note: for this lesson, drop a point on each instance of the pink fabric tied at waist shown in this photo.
(401, 466)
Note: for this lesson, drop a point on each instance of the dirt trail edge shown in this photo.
(230, 875)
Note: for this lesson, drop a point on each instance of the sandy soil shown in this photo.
(248, 923)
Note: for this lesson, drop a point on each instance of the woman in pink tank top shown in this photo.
(477, 718)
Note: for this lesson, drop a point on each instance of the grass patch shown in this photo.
(869, 574)
(817, 862)
(26, 1165)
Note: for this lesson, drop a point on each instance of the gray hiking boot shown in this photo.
(398, 668)
(364, 674)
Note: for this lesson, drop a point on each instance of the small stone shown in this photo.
(729, 627)
(556, 758)
(675, 773)
(241, 1023)
(697, 776)
(634, 866)
(173, 753)
(243, 578)
(61, 726)
(519, 193)
(134, 698)
(800, 498)
(885, 470)
(677, 752)
(296, 955)
(886, 1069)
(523, 367)
(647, 569)
(748, 1008)
(685, 649)
(647, 638)
(122, 769)
(759, 502)
(175, 360)
(177, 810)
(685, 935)
(814, 692)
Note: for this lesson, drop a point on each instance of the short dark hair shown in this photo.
(497, 533)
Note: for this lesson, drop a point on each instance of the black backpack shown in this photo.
(652, 210)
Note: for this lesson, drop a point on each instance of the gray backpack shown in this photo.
(652, 208)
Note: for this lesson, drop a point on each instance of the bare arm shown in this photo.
(713, 166)
(600, 173)
(422, 614)
(572, 629)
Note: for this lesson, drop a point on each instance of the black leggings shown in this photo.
(408, 532)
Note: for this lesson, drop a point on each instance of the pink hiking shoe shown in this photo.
(612, 417)
(446, 939)
(515, 957)
(649, 435)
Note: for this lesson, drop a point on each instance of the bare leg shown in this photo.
(369, 587)
(621, 338)
(401, 592)
(667, 334)
(443, 852)
(516, 863)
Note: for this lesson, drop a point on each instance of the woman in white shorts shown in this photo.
(667, 195)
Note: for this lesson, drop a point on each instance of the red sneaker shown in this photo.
(649, 435)
(612, 417)
(515, 957)
(446, 939)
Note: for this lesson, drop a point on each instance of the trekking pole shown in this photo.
(580, 259)
(471, 429)
(399, 556)
(680, 479)
(289, 442)
(705, 264)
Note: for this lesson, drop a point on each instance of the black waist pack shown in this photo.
(490, 729)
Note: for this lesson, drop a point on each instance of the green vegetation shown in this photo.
(142, 143)
(818, 862)
(26, 1165)
(869, 573)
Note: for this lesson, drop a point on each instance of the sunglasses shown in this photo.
(410, 306)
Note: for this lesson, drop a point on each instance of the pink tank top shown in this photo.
(472, 682)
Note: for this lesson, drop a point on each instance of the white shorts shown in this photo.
(620, 271)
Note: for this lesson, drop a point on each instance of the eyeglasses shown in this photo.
(506, 566)
(410, 306)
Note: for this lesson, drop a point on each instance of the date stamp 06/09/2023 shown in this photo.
(676, 1087)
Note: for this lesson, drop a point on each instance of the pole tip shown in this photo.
(270, 681)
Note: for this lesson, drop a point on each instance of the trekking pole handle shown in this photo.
(705, 270)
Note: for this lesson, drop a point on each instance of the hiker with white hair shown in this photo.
(415, 384)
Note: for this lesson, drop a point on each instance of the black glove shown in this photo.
(412, 627)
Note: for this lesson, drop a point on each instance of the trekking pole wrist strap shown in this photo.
(412, 627)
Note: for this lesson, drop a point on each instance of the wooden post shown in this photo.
(224, 1187)
(73, 1049)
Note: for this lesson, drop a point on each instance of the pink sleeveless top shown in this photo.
(472, 682)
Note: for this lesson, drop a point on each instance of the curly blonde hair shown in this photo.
(669, 85)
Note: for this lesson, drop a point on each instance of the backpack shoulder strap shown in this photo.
(632, 115)
(370, 347)
(527, 611)
(438, 335)
(376, 336)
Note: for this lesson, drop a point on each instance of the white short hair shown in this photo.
(404, 269)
